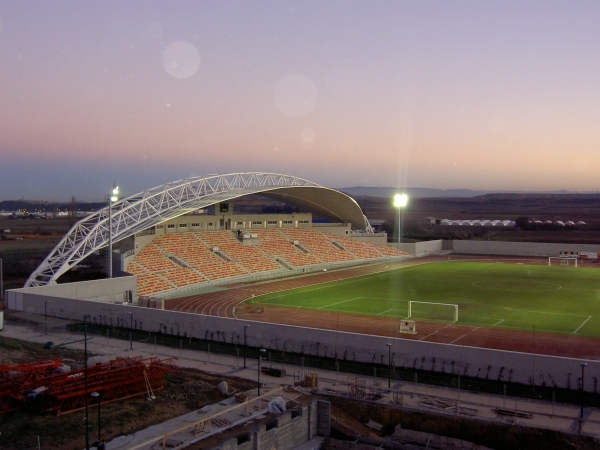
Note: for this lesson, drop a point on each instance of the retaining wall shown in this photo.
(519, 248)
(470, 361)
(287, 432)
(110, 290)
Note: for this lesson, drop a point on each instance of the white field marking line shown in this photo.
(474, 283)
(350, 279)
(578, 328)
(337, 303)
(387, 310)
(284, 305)
(498, 323)
(546, 312)
(386, 269)
(267, 303)
(431, 334)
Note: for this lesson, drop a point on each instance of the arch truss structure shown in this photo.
(162, 203)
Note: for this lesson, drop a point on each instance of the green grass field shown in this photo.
(526, 297)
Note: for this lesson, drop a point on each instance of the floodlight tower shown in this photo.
(400, 201)
(113, 198)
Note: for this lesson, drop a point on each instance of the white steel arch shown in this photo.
(157, 205)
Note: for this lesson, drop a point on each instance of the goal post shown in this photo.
(434, 310)
(562, 261)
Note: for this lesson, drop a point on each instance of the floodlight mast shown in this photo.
(400, 202)
(113, 198)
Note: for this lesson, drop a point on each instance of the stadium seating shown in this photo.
(277, 244)
(249, 257)
(153, 260)
(183, 259)
(151, 283)
(216, 271)
(182, 277)
(318, 244)
(187, 248)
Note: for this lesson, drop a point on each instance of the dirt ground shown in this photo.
(186, 390)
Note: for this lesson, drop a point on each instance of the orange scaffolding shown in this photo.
(61, 393)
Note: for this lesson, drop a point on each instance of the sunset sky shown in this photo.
(495, 95)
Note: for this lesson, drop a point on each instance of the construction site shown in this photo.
(167, 398)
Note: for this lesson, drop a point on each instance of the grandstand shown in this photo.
(173, 261)
(186, 234)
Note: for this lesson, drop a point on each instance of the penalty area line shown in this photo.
(498, 323)
(338, 303)
(575, 332)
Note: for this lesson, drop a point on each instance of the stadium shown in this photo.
(190, 258)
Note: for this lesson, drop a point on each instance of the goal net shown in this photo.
(562, 261)
(444, 312)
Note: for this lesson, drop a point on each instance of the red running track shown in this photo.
(226, 303)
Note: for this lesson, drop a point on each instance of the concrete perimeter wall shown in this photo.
(108, 290)
(419, 248)
(483, 363)
(519, 248)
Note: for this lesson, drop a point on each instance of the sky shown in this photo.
(487, 95)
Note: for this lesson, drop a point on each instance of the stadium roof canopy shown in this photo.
(154, 206)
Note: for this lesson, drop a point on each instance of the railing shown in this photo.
(329, 224)
(356, 233)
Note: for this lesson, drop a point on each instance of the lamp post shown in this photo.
(583, 364)
(245, 328)
(113, 198)
(262, 352)
(389, 346)
(400, 201)
(85, 376)
(97, 395)
(130, 330)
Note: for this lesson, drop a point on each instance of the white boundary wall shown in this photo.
(108, 290)
(419, 248)
(470, 361)
(519, 248)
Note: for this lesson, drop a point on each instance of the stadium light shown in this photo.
(583, 365)
(400, 201)
(99, 443)
(130, 330)
(113, 198)
(245, 345)
(260, 353)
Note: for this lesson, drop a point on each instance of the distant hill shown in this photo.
(43, 206)
(388, 192)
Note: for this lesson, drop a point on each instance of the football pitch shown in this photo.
(554, 299)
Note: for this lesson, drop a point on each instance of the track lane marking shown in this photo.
(437, 331)
(578, 328)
